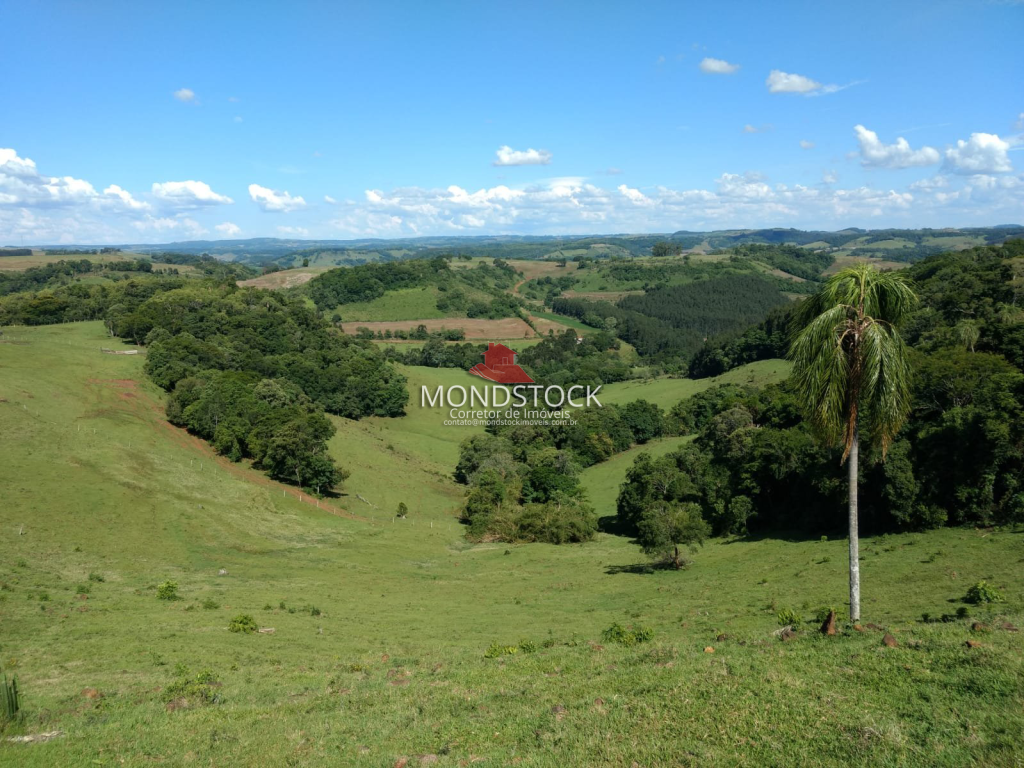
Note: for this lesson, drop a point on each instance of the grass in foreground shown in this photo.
(380, 627)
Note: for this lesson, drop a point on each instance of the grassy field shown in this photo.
(602, 481)
(285, 278)
(666, 392)
(381, 626)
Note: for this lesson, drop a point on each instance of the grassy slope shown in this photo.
(393, 666)
(602, 481)
(403, 304)
(667, 391)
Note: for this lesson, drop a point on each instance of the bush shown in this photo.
(628, 636)
(497, 649)
(983, 592)
(244, 623)
(210, 604)
(788, 617)
(168, 591)
(198, 689)
(96, 577)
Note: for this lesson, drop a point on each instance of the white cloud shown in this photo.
(329, 200)
(508, 156)
(875, 154)
(784, 82)
(114, 195)
(982, 153)
(228, 229)
(164, 226)
(1019, 125)
(22, 184)
(830, 177)
(748, 128)
(272, 201)
(712, 66)
(634, 196)
(185, 94)
(238, 119)
(805, 144)
(294, 231)
(187, 194)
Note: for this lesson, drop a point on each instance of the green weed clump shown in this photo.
(497, 649)
(210, 604)
(243, 623)
(788, 617)
(628, 636)
(200, 688)
(983, 592)
(168, 591)
(10, 699)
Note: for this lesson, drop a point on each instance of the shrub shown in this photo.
(168, 591)
(210, 604)
(497, 649)
(983, 592)
(96, 577)
(788, 617)
(628, 636)
(243, 622)
(83, 589)
(527, 646)
(198, 689)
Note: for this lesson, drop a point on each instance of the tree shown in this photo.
(852, 367)
(402, 510)
(665, 526)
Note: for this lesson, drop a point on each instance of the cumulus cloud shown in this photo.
(982, 153)
(875, 154)
(187, 194)
(22, 184)
(185, 94)
(228, 229)
(784, 82)
(164, 226)
(294, 231)
(508, 156)
(329, 200)
(712, 66)
(805, 144)
(117, 197)
(634, 196)
(272, 201)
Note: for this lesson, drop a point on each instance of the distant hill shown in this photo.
(331, 253)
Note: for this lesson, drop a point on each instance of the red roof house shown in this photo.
(500, 366)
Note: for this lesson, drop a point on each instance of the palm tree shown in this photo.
(851, 365)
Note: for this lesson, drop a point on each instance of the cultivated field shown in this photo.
(380, 626)
(286, 278)
(506, 328)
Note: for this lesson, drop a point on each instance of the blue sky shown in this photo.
(139, 122)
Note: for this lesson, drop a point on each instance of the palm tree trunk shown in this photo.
(854, 536)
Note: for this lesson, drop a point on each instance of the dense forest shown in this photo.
(755, 464)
